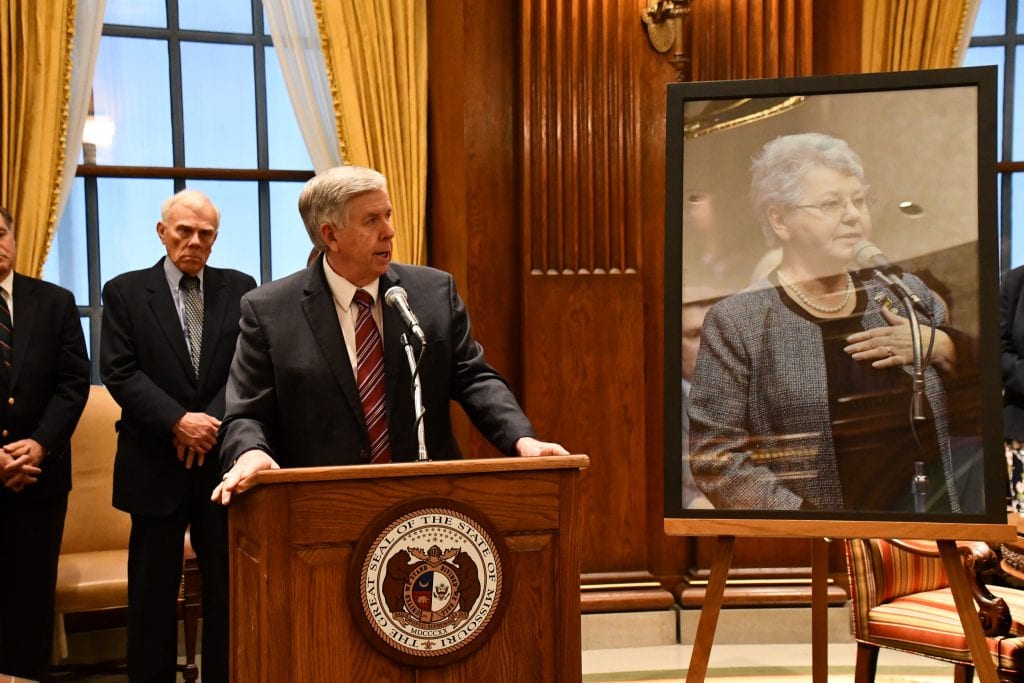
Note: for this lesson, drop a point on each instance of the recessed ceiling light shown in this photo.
(911, 209)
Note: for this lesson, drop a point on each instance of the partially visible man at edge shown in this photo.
(296, 395)
(44, 380)
(168, 336)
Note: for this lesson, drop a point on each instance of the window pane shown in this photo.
(220, 105)
(132, 89)
(233, 16)
(66, 263)
(287, 148)
(1018, 107)
(1017, 220)
(983, 56)
(129, 210)
(88, 338)
(289, 242)
(136, 13)
(238, 238)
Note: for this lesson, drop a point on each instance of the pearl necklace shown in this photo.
(806, 300)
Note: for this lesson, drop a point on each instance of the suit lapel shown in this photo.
(214, 310)
(322, 316)
(24, 321)
(158, 295)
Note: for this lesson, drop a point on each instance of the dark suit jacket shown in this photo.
(145, 364)
(292, 391)
(1011, 325)
(49, 380)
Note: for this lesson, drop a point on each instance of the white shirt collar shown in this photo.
(342, 290)
(174, 274)
(7, 284)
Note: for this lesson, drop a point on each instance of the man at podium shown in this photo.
(320, 375)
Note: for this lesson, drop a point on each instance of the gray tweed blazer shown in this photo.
(760, 434)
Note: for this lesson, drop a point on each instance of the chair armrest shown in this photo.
(978, 560)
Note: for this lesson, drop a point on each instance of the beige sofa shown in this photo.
(92, 575)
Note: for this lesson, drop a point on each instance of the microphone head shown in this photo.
(866, 254)
(394, 295)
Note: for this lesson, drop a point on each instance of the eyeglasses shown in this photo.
(834, 208)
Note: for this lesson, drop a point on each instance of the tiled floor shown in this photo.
(789, 662)
(652, 652)
(756, 645)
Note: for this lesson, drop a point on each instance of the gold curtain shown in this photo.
(901, 35)
(36, 38)
(376, 55)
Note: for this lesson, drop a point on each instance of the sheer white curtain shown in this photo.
(88, 26)
(294, 28)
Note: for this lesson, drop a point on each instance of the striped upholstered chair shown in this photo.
(900, 599)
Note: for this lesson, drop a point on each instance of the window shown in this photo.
(999, 39)
(187, 93)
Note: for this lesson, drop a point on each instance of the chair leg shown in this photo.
(191, 609)
(867, 662)
(963, 673)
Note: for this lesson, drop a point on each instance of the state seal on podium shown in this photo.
(431, 576)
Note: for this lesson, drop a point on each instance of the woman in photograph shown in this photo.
(802, 390)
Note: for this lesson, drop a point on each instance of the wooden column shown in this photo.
(546, 200)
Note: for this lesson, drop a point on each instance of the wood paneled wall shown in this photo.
(751, 39)
(546, 200)
(583, 343)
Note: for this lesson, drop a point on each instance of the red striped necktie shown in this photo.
(6, 335)
(370, 376)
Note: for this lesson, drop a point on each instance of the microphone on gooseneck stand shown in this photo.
(867, 255)
(397, 297)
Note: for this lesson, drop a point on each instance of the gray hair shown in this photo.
(780, 166)
(8, 218)
(189, 197)
(326, 195)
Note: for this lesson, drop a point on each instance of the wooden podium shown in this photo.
(463, 570)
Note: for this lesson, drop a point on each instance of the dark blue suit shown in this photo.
(42, 398)
(1012, 339)
(292, 391)
(146, 365)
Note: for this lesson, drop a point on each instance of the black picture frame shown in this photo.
(929, 139)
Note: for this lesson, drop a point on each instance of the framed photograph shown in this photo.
(832, 299)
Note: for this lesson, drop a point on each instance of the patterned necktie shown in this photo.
(6, 334)
(370, 376)
(193, 318)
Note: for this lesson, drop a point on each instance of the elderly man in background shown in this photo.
(168, 336)
(44, 377)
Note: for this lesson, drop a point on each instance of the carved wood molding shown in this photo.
(751, 39)
(579, 171)
(760, 587)
(635, 591)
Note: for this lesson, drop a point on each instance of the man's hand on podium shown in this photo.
(242, 475)
(528, 447)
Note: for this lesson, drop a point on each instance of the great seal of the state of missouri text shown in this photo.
(431, 582)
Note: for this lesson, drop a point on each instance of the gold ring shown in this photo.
(888, 350)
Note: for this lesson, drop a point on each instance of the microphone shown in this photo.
(397, 297)
(867, 255)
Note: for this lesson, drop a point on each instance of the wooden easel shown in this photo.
(727, 530)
